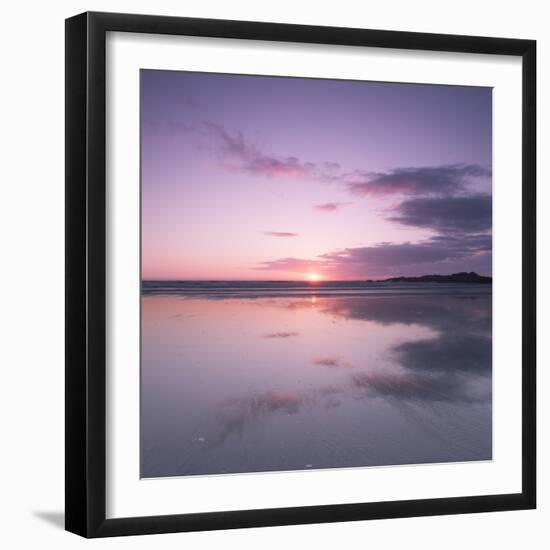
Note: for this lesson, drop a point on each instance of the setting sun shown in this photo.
(313, 277)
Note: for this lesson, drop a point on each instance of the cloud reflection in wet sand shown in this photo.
(332, 362)
(237, 413)
(420, 364)
(434, 370)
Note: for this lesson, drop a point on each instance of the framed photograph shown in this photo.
(300, 274)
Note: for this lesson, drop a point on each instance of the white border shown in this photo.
(127, 495)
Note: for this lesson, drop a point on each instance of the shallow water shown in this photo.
(249, 379)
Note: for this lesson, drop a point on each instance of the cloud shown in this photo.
(462, 242)
(441, 199)
(469, 214)
(386, 257)
(332, 362)
(331, 206)
(331, 166)
(382, 256)
(280, 234)
(281, 334)
(428, 180)
(440, 254)
(240, 155)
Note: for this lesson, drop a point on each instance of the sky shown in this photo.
(274, 178)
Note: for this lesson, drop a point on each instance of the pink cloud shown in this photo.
(239, 154)
(280, 234)
(280, 335)
(331, 206)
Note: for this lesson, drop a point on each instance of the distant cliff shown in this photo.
(463, 277)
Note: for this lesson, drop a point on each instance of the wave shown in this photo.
(257, 289)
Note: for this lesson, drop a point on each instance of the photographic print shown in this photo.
(316, 265)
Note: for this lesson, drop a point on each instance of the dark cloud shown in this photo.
(428, 180)
(470, 214)
(441, 254)
(436, 249)
(331, 206)
(463, 239)
(280, 234)
(462, 242)
(379, 258)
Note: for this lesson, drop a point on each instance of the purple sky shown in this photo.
(248, 177)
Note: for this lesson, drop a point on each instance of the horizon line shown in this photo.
(359, 280)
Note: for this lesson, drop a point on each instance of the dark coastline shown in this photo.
(462, 277)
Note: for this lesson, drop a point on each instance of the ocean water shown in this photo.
(263, 376)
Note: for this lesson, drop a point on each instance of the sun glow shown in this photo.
(313, 277)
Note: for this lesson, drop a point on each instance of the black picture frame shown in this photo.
(86, 268)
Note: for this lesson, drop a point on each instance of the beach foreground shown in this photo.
(255, 377)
